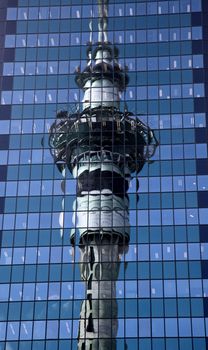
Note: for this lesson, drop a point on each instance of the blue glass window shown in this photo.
(130, 9)
(203, 215)
(152, 63)
(65, 329)
(175, 62)
(156, 288)
(202, 182)
(196, 288)
(2, 331)
(13, 330)
(141, 64)
(175, 91)
(164, 63)
(175, 34)
(174, 6)
(167, 217)
(198, 327)
(9, 41)
(205, 288)
(26, 330)
(31, 255)
(183, 288)
(198, 90)
(171, 329)
(168, 252)
(152, 35)
(141, 8)
(144, 289)
(41, 291)
(6, 97)
(144, 327)
(196, 5)
(42, 40)
(54, 12)
(17, 97)
(169, 288)
(184, 327)
(39, 329)
(162, 7)
(131, 327)
(152, 8)
(4, 295)
(43, 12)
(186, 33)
(8, 68)
(11, 13)
(157, 327)
(185, 6)
(66, 11)
(196, 33)
(198, 61)
(54, 291)
(164, 91)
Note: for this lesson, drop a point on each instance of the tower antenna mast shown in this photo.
(102, 21)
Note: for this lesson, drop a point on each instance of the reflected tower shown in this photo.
(102, 146)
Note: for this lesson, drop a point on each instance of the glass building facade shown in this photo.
(162, 287)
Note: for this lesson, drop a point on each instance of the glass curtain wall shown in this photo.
(162, 287)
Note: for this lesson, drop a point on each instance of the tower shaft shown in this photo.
(98, 318)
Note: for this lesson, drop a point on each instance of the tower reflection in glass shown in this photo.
(102, 146)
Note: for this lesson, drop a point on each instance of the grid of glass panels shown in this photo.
(163, 287)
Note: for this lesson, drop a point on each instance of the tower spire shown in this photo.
(102, 21)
